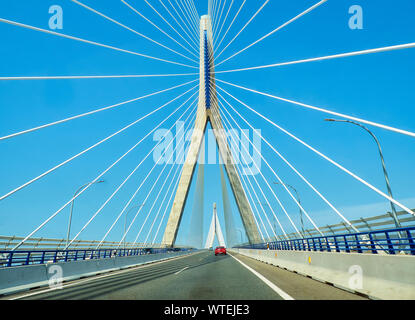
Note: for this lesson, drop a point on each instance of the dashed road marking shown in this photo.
(181, 270)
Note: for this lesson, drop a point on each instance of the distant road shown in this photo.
(198, 276)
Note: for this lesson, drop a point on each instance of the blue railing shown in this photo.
(392, 241)
(28, 257)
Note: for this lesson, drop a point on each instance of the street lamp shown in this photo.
(70, 215)
(385, 173)
(125, 223)
(299, 202)
(275, 228)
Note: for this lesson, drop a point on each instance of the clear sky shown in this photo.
(377, 87)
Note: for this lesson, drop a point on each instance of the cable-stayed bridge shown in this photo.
(160, 219)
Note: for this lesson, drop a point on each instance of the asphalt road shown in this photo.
(200, 276)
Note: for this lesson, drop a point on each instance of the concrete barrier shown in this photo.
(377, 276)
(16, 279)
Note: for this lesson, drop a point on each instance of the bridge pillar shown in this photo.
(208, 110)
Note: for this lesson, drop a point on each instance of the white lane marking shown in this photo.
(100, 277)
(181, 270)
(279, 291)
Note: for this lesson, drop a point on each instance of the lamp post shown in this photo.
(385, 173)
(70, 215)
(275, 228)
(125, 223)
(299, 202)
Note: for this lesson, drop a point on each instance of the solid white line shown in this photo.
(279, 291)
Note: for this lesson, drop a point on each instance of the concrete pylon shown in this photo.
(208, 110)
(214, 229)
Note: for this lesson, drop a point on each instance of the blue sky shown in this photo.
(376, 87)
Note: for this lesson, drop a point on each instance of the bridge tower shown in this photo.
(208, 111)
(214, 230)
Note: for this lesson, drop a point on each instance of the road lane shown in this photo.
(201, 276)
(298, 286)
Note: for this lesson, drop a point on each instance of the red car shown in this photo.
(220, 250)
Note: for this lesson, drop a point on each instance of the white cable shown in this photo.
(263, 194)
(192, 4)
(175, 176)
(76, 196)
(88, 149)
(148, 194)
(231, 24)
(197, 16)
(135, 193)
(275, 30)
(188, 14)
(192, 16)
(18, 24)
(326, 158)
(215, 26)
(281, 182)
(97, 77)
(177, 22)
(255, 193)
(212, 15)
(226, 17)
(334, 56)
(290, 165)
(132, 30)
(154, 203)
(119, 187)
(220, 22)
(193, 13)
(157, 27)
(188, 18)
(89, 113)
(408, 133)
(257, 211)
(250, 20)
(256, 181)
(165, 211)
(246, 190)
(174, 29)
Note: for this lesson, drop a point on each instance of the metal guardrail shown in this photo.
(391, 241)
(380, 222)
(9, 242)
(33, 257)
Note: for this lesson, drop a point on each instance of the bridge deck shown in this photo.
(199, 276)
